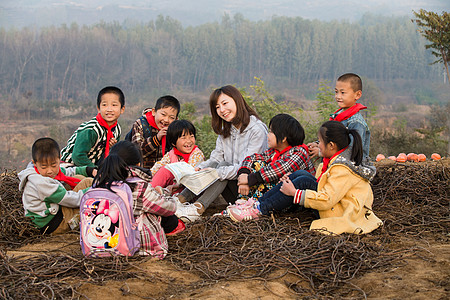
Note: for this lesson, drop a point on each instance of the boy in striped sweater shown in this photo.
(91, 142)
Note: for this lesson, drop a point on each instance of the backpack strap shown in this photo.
(145, 126)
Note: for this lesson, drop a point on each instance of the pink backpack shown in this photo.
(107, 223)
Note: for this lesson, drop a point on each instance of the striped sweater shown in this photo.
(86, 146)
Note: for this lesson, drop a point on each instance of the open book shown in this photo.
(196, 181)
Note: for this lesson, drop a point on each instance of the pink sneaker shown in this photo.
(244, 212)
(243, 202)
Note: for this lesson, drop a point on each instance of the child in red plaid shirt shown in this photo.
(153, 210)
(286, 154)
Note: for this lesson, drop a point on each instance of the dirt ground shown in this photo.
(422, 273)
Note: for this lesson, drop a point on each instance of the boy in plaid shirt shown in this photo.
(286, 154)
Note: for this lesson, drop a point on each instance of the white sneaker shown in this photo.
(187, 212)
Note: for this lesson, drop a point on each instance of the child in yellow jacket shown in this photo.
(343, 196)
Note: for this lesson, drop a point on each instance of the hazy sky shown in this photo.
(193, 12)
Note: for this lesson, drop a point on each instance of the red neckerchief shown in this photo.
(278, 153)
(326, 161)
(346, 113)
(109, 134)
(151, 121)
(72, 181)
(184, 155)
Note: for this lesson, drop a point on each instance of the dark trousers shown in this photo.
(274, 200)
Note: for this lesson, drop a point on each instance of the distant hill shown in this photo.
(22, 13)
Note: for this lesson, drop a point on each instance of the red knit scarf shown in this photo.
(278, 153)
(71, 181)
(326, 161)
(185, 156)
(151, 121)
(109, 135)
(346, 113)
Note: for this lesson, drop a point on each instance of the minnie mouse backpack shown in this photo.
(107, 223)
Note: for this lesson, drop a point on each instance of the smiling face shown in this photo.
(110, 108)
(164, 116)
(185, 143)
(226, 108)
(48, 168)
(344, 94)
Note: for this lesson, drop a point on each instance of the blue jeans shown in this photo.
(274, 200)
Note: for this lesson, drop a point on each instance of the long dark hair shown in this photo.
(115, 166)
(243, 111)
(336, 132)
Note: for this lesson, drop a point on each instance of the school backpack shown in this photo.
(145, 128)
(107, 223)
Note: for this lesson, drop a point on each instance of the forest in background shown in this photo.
(55, 73)
(57, 65)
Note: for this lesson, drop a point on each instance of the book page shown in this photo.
(200, 180)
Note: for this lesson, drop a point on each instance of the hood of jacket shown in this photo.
(365, 170)
(23, 176)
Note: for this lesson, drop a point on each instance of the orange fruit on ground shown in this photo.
(435, 156)
(380, 157)
(412, 157)
(392, 158)
(401, 157)
(422, 157)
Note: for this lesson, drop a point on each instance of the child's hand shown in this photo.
(285, 176)
(313, 149)
(243, 189)
(94, 172)
(112, 141)
(288, 188)
(243, 179)
(197, 169)
(162, 132)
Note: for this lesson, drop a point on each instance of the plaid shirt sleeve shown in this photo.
(295, 159)
(148, 200)
(266, 156)
(147, 145)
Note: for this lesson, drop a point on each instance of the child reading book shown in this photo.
(180, 147)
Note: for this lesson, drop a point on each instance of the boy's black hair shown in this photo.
(45, 149)
(336, 132)
(112, 90)
(354, 80)
(168, 101)
(176, 130)
(115, 166)
(286, 126)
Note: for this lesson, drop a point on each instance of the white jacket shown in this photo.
(231, 151)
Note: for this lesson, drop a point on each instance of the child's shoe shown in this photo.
(244, 212)
(188, 212)
(180, 228)
(223, 213)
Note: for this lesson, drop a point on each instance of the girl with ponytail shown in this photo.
(341, 193)
(155, 209)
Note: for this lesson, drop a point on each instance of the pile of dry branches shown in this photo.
(56, 275)
(412, 200)
(15, 228)
(270, 248)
